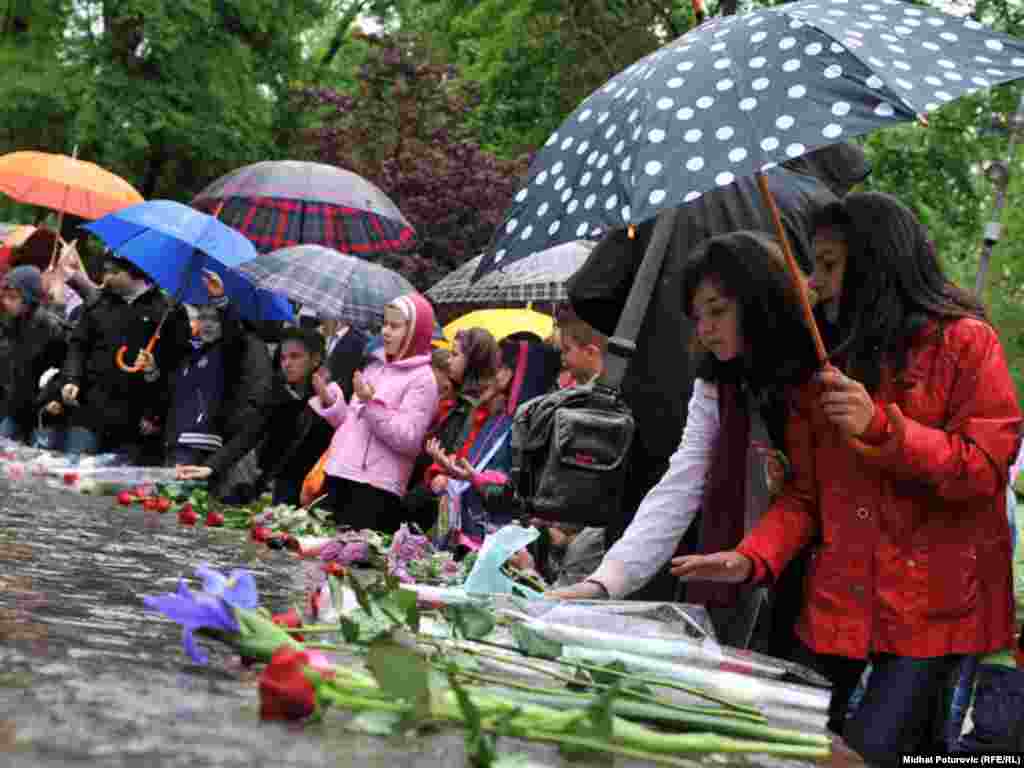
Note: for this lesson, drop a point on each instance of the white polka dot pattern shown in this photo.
(740, 94)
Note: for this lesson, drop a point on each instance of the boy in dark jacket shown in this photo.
(112, 409)
(290, 435)
(219, 385)
(35, 341)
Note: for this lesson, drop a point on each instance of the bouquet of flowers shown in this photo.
(352, 547)
(412, 677)
(296, 521)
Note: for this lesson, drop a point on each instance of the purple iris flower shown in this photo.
(194, 611)
(238, 589)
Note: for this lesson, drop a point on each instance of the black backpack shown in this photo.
(569, 452)
(570, 448)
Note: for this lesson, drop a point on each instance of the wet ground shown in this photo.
(90, 678)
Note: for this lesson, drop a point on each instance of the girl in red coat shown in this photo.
(900, 459)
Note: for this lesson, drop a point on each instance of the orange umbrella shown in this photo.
(64, 184)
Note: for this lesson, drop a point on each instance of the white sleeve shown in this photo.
(669, 507)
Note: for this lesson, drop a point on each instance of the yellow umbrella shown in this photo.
(501, 323)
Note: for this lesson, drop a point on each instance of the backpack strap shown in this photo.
(622, 344)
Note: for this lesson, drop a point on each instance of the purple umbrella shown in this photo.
(288, 202)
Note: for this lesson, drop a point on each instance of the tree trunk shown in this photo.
(155, 163)
(340, 33)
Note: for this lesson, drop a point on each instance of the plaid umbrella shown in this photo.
(540, 277)
(736, 96)
(283, 203)
(331, 284)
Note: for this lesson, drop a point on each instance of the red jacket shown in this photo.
(912, 547)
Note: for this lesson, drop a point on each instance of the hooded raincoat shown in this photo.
(376, 442)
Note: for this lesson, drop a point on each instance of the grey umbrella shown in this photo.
(330, 283)
(539, 278)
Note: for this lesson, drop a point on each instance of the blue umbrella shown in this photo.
(173, 243)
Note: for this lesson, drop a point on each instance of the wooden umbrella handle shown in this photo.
(119, 358)
(794, 272)
(793, 268)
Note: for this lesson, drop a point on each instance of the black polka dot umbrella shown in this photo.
(736, 96)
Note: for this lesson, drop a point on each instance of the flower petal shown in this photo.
(183, 590)
(214, 582)
(285, 692)
(197, 654)
(195, 611)
(241, 590)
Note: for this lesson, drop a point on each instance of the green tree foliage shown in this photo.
(537, 59)
(168, 95)
(404, 127)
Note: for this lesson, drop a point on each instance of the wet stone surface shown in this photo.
(88, 677)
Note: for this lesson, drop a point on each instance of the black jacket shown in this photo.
(111, 398)
(247, 378)
(290, 435)
(33, 345)
(348, 356)
(250, 382)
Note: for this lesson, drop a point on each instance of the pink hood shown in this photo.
(420, 315)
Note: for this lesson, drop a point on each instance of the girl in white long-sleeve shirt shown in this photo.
(752, 348)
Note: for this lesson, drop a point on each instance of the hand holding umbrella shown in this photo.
(846, 403)
(144, 361)
(171, 242)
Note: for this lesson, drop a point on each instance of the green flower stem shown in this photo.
(656, 706)
(698, 745)
(656, 741)
(532, 721)
(332, 647)
(538, 723)
(316, 629)
(740, 709)
(635, 710)
(351, 701)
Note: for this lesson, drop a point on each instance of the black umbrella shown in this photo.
(598, 291)
(736, 96)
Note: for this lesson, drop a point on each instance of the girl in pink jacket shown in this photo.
(381, 429)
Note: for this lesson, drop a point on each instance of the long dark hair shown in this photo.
(749, 267)
(893, 284)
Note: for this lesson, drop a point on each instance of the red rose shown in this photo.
(261, 534)
(187, 515)
(334, 568)
(285, 693)
(163, 504)
(126, 498)
(70, 478)
(290, 619)
(151, 505)
(214, 519)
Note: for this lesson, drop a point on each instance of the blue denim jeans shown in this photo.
(50, 438)
(900, 708)
(81, 440)
(998, 715)
(9, 429)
